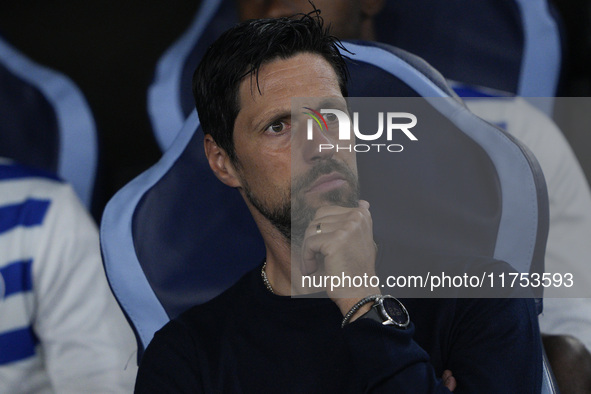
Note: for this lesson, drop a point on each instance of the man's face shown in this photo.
(278, 167)
(344, 16)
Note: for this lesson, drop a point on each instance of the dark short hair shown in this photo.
(241, 51)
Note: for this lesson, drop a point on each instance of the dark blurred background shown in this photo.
(109, 49)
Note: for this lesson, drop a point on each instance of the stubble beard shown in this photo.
(292, 215)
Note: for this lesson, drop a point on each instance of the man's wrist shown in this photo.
(359, 312)
(359, 308)
(345, 304)
(384, 309)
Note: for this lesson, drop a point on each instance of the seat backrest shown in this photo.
(45, 122)
(170, 100)
(508, 45)
(175, 236)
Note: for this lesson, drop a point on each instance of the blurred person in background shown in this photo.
(61, 329)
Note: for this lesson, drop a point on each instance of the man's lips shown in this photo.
(327, 182)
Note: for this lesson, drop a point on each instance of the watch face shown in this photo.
(396, 311)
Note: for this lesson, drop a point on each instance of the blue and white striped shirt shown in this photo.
(61, 329)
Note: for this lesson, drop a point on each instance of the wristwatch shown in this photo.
(388, 311)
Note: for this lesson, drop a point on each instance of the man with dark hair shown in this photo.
(255, 337)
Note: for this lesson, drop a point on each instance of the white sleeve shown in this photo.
(86, 342)
(569, 247)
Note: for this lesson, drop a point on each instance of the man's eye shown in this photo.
(276, 127)
(330, 117)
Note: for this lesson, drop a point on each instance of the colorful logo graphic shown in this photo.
(317, 117)
(388, 125)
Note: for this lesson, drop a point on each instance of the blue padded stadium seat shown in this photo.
(45, 122)
(488, 226)
(508, 45)
(170, 100)
(166, 235)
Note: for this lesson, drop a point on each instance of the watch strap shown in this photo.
(357, 306)
(378, 311)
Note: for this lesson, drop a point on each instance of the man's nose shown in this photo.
(318, 144)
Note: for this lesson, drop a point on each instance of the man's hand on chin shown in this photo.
(341, 239)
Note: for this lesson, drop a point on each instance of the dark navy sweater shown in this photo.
(248, 340)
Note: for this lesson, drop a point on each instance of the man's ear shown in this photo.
(371, 8)
(220, 162)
